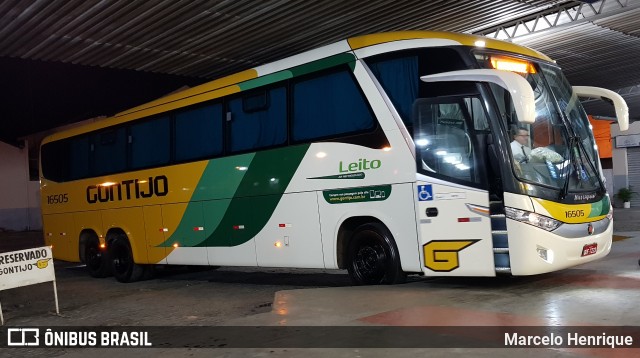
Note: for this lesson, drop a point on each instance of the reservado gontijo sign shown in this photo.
(26, 267)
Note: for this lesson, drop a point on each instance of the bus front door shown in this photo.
(455, 230)
(452, 187)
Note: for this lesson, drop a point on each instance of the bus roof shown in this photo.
(233, 83)
(463, 39)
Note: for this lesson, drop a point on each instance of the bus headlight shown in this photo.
(537, 220)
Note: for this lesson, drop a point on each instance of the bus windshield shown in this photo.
(558, 150)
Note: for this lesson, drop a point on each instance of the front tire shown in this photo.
(123, 266)
(373, 256)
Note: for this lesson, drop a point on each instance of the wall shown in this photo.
(602, 133)
(620, 158)
(19, 197)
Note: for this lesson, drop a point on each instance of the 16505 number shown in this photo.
(574, 213)
(57, 198)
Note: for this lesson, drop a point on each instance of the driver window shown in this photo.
(443, 137)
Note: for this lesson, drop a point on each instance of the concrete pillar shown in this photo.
(619, 154)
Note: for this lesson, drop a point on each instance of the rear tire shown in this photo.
(123, 266)
(96, 259)
(373, 256)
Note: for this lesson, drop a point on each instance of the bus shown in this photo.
(386, 154)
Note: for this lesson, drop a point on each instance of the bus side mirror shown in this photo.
(622, 111)
(520, 90)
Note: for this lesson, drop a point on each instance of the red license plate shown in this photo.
(589, 249)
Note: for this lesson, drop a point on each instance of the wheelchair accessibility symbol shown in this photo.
(425, 192)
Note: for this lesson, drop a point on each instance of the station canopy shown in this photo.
(66, 61)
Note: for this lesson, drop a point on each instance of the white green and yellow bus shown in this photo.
(386, 155)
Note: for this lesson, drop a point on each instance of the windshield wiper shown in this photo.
(565, 187)
(576, 149)
(582, 149)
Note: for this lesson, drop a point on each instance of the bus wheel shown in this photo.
(124, 268)
(373, 256)
(96, 259)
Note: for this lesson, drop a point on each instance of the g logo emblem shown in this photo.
(442, 255)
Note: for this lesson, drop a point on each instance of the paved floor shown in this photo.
(604, 293)
(626, 219)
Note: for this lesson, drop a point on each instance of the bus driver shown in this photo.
(519, 146)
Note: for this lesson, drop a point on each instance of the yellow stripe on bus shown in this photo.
(208, 91)
(463, 39)
(197, 91)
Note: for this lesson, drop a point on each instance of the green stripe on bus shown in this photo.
(325, 63)
(314, 66)
(255, 182)
(220, 179)
(265, 80)
(257, 196)
(600, 208)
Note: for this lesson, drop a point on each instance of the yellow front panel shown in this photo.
(570, 213)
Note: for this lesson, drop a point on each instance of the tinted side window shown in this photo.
(327, 106)
(258, 119)
(55, 163)
(150, 143)
(399, 75)
(400, 79)
(110, 151)
(79, 149)
(199, 133)
(444, 137)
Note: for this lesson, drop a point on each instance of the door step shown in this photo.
(499, 237)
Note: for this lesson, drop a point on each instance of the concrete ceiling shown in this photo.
(127, 43)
